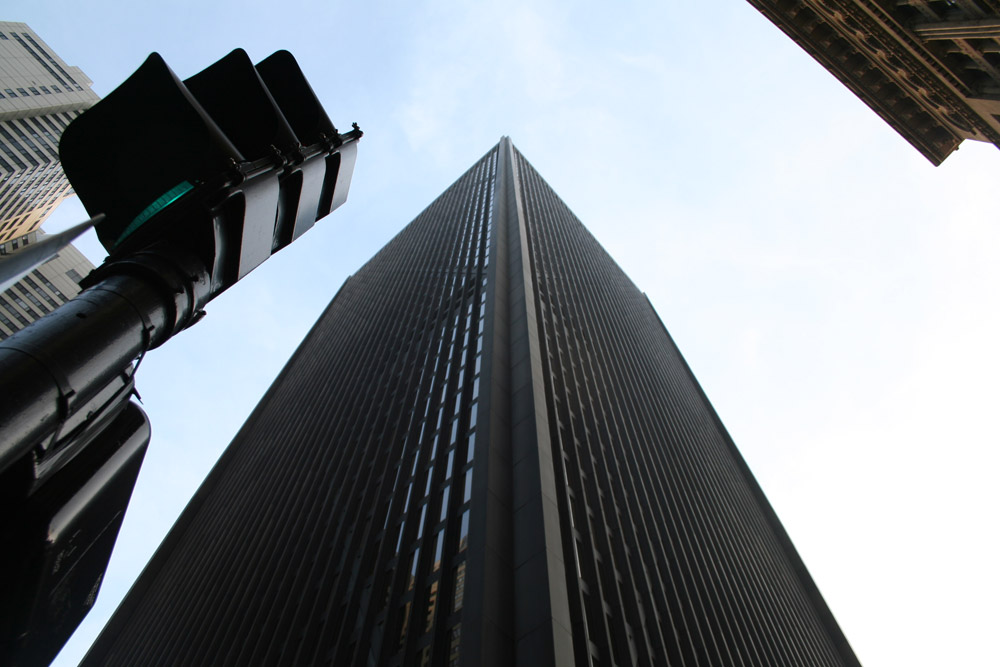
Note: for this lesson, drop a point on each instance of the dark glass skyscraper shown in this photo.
(488, 451)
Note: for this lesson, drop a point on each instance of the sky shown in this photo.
(835, 294)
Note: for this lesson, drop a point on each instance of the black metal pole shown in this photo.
(64, 370)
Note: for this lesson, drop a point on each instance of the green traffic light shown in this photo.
(162, 202)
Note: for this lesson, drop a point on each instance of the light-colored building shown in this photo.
(44, 289)
(39, 95)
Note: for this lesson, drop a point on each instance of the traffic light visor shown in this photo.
(141, 149)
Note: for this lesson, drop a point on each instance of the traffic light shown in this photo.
(191, 184)
(233, 163)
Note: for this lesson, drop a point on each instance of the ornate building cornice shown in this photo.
(920, 89)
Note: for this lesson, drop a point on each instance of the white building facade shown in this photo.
(39, 96)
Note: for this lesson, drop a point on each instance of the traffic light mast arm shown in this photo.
(60, 364)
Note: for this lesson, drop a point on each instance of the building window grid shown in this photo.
(602, 496)
(457, 288)
(10, 187)
(20, 302)
(33, 299)
(594, 620)
(439, 397)
(45, 281)
(7, 322)
(15, 313)
(49, 144)
(47, 119)
(14, 125)
(48, 57)
(384, 435)
(6, 148)
(26, 182)
(7, 166)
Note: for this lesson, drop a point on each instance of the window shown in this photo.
(471, 451)
(404, 621)
(34, 91)
(451, 464)
(47, 283)
(23, 92)
(459, 598)
(409, 492)
(438, 548)
(74, 276)
(19, 301)
(414, 561)
(420, 528)
(15, 314)
(6, 321)
(463, 536)
(444, 502)
(33, 299)
(10, 93)
(454, 639)
(468, 487)
(432, 594)
(46, 90)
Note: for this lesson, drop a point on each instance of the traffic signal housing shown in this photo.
(233, 163)
(192, 184)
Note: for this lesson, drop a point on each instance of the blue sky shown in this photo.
(834, 293)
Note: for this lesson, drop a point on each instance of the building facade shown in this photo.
(929, 68)
(487, 451)
(39, 95)
(44, 289)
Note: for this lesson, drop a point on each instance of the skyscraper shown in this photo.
(487, 451)
(929, 68)
(39, 95)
